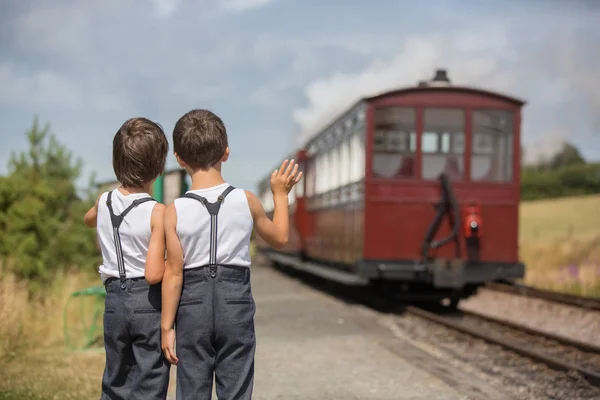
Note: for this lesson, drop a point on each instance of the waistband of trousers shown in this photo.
(139, 283)
(221, 272)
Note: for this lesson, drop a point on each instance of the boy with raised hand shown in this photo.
(207, 299)
(129, 224)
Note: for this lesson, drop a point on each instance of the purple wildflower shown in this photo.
(573, 270)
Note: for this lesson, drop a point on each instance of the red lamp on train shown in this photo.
(472, 226)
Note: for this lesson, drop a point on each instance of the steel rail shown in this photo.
(583, 346)
(591, 303)
(553, 362)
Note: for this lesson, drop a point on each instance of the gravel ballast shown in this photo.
(560, 319)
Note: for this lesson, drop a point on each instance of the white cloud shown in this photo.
(577, 66)
(46, 89)
(557, 79)
(52, 28)
(104, 102)
(271, 94)
(43, 88)
(417, 60)
(165, 8)
(238, 6)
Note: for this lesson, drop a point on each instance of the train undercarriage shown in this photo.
(426, 280)
(440, 281)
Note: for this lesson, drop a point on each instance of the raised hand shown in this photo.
(284, 178)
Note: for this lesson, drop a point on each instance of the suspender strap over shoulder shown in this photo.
(213, 210)
(116, 221)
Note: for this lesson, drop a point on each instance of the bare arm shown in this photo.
(276, 232)
(91, 217)
(155, 260)
(171, 285)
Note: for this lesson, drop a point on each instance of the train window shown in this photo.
(429, 142)
(334, 174)
(379, 143)
(360, 117)
(443, 143)
(302, 182)
(357, 154)
(492, 155)
(292, 197)
(345, 163)
(394, 142)
(310, 177)
(322, 173)
(267, 201)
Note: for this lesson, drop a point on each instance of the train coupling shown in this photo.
(448, 273)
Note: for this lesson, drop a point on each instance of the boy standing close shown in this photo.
(207, 296)
(131, 236)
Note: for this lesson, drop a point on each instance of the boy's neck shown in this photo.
(204, 179)
(135, 189)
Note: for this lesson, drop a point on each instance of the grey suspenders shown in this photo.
(116, 221)
(213, 210)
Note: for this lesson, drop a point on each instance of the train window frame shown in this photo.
(499, 149)
(446, 138)
(395, 135)
(300, 186)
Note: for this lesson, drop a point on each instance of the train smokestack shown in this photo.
(440, 78)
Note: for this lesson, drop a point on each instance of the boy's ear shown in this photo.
(179, 161)
(226, 155)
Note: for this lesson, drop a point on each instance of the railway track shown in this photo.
(557, 352)
(590, 303)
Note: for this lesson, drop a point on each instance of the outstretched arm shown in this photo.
(155, 260)
(91, 217)
(276, 232)
(171, 285)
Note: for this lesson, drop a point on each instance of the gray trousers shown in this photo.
(135, 366)
(215, 333)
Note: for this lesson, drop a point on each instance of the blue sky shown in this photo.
(275, 70)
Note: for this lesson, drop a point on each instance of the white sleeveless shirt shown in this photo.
(134, 231)
(234, 228)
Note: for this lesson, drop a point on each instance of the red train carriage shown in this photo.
(415, 191)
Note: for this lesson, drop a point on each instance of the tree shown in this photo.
(41, 215)
(569, 155)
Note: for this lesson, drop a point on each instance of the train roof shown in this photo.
(449, 88)
(415, 89)
(439, 84)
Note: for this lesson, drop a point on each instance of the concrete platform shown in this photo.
(311, 346)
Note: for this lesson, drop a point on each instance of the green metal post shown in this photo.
(158, 189)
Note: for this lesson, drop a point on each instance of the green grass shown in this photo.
(35, 363)
(53, 373)
(547, 220)
(20, 395)
(560, 244)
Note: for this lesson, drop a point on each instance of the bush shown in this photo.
(570, 180)
(41, 214)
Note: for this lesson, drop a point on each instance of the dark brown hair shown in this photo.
(200, 139)
(139, 152)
